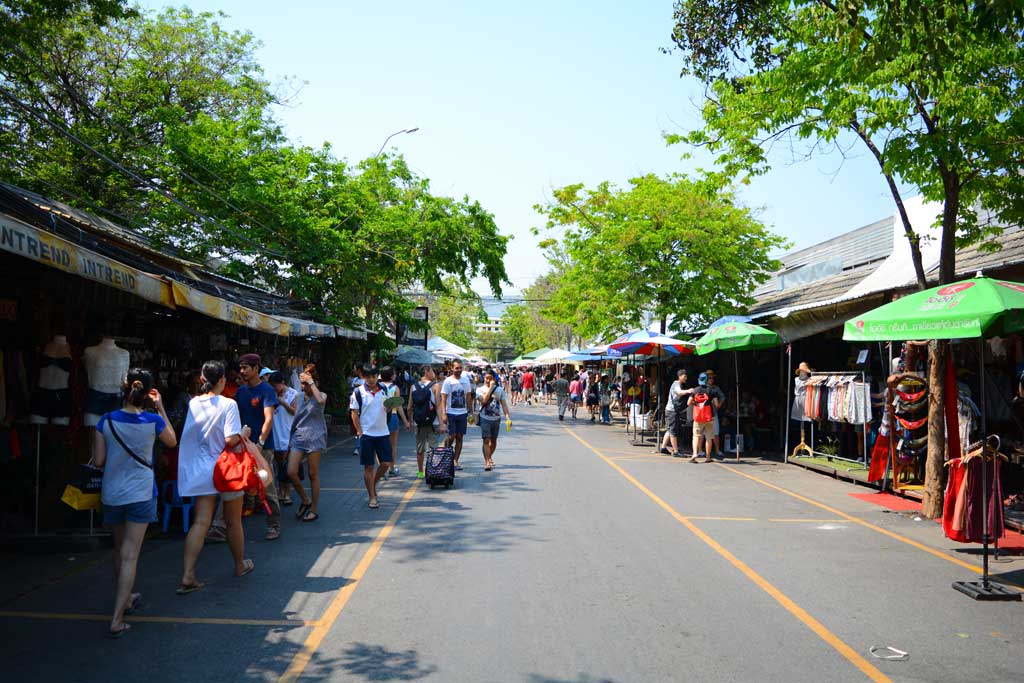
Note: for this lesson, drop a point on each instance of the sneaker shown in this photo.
(394, 471)
(419, 475)
(664, 451)
(677, 454)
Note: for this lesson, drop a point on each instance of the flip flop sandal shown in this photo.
(133, 603)
(303, 509)
(373, 505)
(307, 517)
(184, 589)
(249, 566)
(119, 632)
(287, 502)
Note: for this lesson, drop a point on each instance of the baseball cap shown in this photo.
(251, 359)
(703, 378)
(265, 371)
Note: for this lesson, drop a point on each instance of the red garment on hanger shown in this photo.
(955, 479)
(879, 458)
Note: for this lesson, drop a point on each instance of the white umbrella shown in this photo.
(552, 356)
(436, 344)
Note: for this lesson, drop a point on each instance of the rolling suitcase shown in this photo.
(439, 468)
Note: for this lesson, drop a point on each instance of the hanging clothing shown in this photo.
(963, 511)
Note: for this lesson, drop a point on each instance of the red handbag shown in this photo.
(237, 471)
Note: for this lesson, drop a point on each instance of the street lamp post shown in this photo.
(397, 132)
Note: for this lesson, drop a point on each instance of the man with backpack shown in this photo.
(705, 404)
(423, 400)
(371, 418)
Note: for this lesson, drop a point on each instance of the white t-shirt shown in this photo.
(373, 418)
(283, 420)
(210, 420)
(458, 392)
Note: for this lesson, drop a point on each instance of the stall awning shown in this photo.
(38, 245)
(307, 328)
(222, 309)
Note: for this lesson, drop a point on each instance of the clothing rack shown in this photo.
(803, 446)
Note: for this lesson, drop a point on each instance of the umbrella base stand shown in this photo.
(986, 591)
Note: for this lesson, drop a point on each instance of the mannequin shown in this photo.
(106, 365)
(51, 400)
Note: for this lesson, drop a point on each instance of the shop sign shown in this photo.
(42, 247)
(221, 309)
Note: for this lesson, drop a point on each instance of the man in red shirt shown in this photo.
(529, 381)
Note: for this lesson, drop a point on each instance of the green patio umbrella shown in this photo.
(969, 309)
(963, 310)
(736, 336)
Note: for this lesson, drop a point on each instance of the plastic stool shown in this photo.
(172, 500)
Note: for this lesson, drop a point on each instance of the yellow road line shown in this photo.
(302, 658)
(810, 622)
(873, 527)
(721, 519)
(63, 616)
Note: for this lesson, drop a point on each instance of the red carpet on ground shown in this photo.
(1012, 541)
(889, 501)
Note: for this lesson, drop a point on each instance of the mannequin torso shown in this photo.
(106, 365)
(55, 365)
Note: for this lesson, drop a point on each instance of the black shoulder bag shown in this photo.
(123, 446)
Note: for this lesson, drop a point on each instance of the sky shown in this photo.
(513, 100)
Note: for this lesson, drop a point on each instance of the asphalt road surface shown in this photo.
(579, 559)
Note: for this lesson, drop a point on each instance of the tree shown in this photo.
(454, 315)
(933, 90)
(165, 123)
(497, 346)
(525, 323)
(662, 247)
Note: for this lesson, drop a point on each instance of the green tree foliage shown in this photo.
(495, 346)
(454, 315)
(165, 120)
(527, 326)
(662, 247)
(933, 90)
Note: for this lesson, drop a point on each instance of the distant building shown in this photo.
(492, 325)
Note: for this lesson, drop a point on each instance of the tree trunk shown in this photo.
(934, 472)
(931, 506)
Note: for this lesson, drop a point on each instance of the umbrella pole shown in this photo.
(736, 361)
(984, 474)
(787, 403)
(657, 423)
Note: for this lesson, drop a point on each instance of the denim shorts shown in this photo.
(393, 422)
(374, 448)
(489, 429)
(140, 513)
(457, 423)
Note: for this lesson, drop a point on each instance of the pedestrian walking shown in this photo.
(719, 396)
(284, 415)
(679, 427)
(575, 393)
(212, 424)
(391, 391)
(308, 440)
(529, 384)
(592, 390)
(422, 409)
(257, 402)
(123, 447)
(704, 405)
(492, 403)
(561, 391)
(606, 397)
(370, 416)
(456, 405)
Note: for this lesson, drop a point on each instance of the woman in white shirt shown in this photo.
(212, 424)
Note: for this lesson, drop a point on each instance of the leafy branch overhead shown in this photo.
(668, 247)
(164, 122)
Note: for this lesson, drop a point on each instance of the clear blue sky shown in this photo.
(514, 99)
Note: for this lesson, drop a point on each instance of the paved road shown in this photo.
(579, 559)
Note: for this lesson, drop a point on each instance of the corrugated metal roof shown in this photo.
(821, 290)
(857, 248)
(973, 258)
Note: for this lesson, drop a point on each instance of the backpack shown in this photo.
(359, 396)
(702, 409)
(423, 413)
